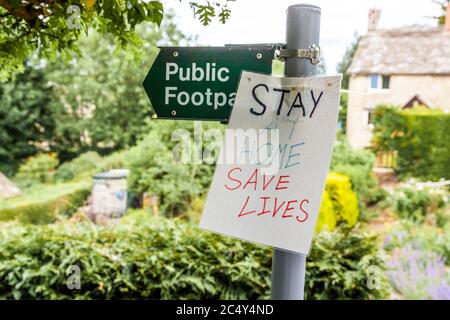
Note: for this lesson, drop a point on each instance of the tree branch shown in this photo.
(26, 11)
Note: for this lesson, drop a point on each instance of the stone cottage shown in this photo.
(405, 67)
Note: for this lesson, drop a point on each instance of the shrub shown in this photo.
(345, 264)
(358, 166)
(344, 200)
(37, 169)
(154, 170)
(167, 259)
(196, 206)
(415, 203)
(419, 136)
(85, 165)
(44, 204)
(443, 217)
(116, 160)
(327, 218)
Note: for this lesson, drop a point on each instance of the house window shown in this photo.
(374, 81)
(386, 81)
(379, 81)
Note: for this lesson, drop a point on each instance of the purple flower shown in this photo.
(440, 292)
(387, 241)
(418, 274)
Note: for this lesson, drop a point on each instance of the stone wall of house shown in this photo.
(432, 89)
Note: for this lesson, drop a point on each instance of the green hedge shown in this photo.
(83, 166)
(421, 138)
(43, 204)
(358, 166)
(171, 259)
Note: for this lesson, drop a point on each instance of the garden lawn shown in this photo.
(43, 203)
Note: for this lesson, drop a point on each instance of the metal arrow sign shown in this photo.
(200, 82)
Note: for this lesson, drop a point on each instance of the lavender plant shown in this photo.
(418, 274)
(440, 292)
(420, 237)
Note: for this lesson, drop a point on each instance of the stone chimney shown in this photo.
(447, 19)
(374, 18)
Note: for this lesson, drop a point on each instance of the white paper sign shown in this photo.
(271, 172)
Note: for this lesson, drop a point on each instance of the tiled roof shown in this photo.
(407, 50)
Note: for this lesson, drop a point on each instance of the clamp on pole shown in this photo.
(312, 53)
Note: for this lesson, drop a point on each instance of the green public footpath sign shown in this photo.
(201, 82)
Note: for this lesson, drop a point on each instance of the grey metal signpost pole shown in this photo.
(302, 31)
